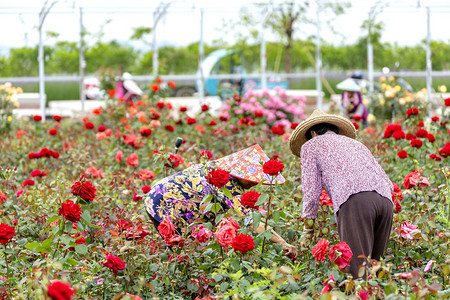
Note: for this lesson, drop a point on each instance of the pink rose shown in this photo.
(408, 230)
(340, 254)
(119, 155)
(225, 235)
(228, 222)
(201, 233)
(146, 174)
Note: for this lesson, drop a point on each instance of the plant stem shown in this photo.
(265, 225)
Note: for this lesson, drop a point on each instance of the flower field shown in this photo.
(73, 223)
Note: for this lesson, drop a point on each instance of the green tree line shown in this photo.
(63, 57)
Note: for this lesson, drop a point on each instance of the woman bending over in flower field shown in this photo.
(179, 198)
(359, 188)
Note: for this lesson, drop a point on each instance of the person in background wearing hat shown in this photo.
(352, 99)
(332, 159)
(179, 196)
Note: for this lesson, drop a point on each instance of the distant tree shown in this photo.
(64, 59)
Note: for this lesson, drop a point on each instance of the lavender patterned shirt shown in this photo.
(343, 167)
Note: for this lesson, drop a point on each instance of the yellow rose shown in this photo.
(371, 118)
(402, 101)
(365, 101)
(408, 99)
(389, 93)
(398, 88)
(382, 78)
(391, 78)
(9, 118)
(442, 89)
(381, 101)
(383, 86)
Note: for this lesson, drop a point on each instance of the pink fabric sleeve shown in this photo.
(311, 183)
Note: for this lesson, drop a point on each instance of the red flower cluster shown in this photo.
(259, 114)
(114, 263)
(6, 233)
(445, 151)
(71, 211)
(412, 111)
(278, 130)
(390, 129)
(435, 157)
(431, 138)
(422, 133)
(273, 167)
(414, 178)
(320, 250)
(144, 131)
(160, 104)
(434, 118)
(249, 199)
(37, 118)
(416, 143)
(246, 121)
(84, 189)
(53, 131)
(243, 243)
(58, 290)
(402, 154)
(340, 254)
(218, 177)
(205, 107)
(410, 136)
(398, 135)
(206, 153)
(27, 182)
(39, 173)
(45, 152)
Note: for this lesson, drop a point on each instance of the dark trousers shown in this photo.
(364, 223)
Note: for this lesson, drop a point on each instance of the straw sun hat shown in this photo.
(298, 136)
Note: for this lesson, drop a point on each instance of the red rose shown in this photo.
(146, 174)
(340, 254)
(218, 178)
(397, 207)
(356, 125)
(101, 128)
(445, 151)
(431, 138)
(89, 125)
(175, 240)
(169, 128)
(410, 136)
(397, 193)
(173, 161)
(320, 250)
(390, 129)
(205, 107)
(166, 228)
(2, 196)
(71, 211)
(249, 199)
(114, 263)
(434, 118)
(237, 98)
(145, 189)
(412, 111)
(398, 135)
(27, 182)
(273, 167)
(84, 189)
(172, 84)
(325, 199)
(133, 160)
(54, 154)
(191, 121)
(421, 124)
(447, 101)
(58, 290)
(155, 88)
(136, 198)
(357, 118)
(212, 123)
(39, 173)
(144, 131)
(53, 131)
(259, 114)
(155, 116)
(183, 108)
(160, 104)
(402, 154)
(206, 153)
(421, 133)
(37, 118)
(294, 125)
(6, 233)
(243, 243)
(416, 143)
(57, 118)
(225, 235)
(278, 130)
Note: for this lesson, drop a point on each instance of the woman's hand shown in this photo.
(290, 251)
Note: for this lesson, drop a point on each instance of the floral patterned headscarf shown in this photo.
(248, 164)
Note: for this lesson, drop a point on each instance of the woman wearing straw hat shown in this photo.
(179, 197)
(332, 159)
